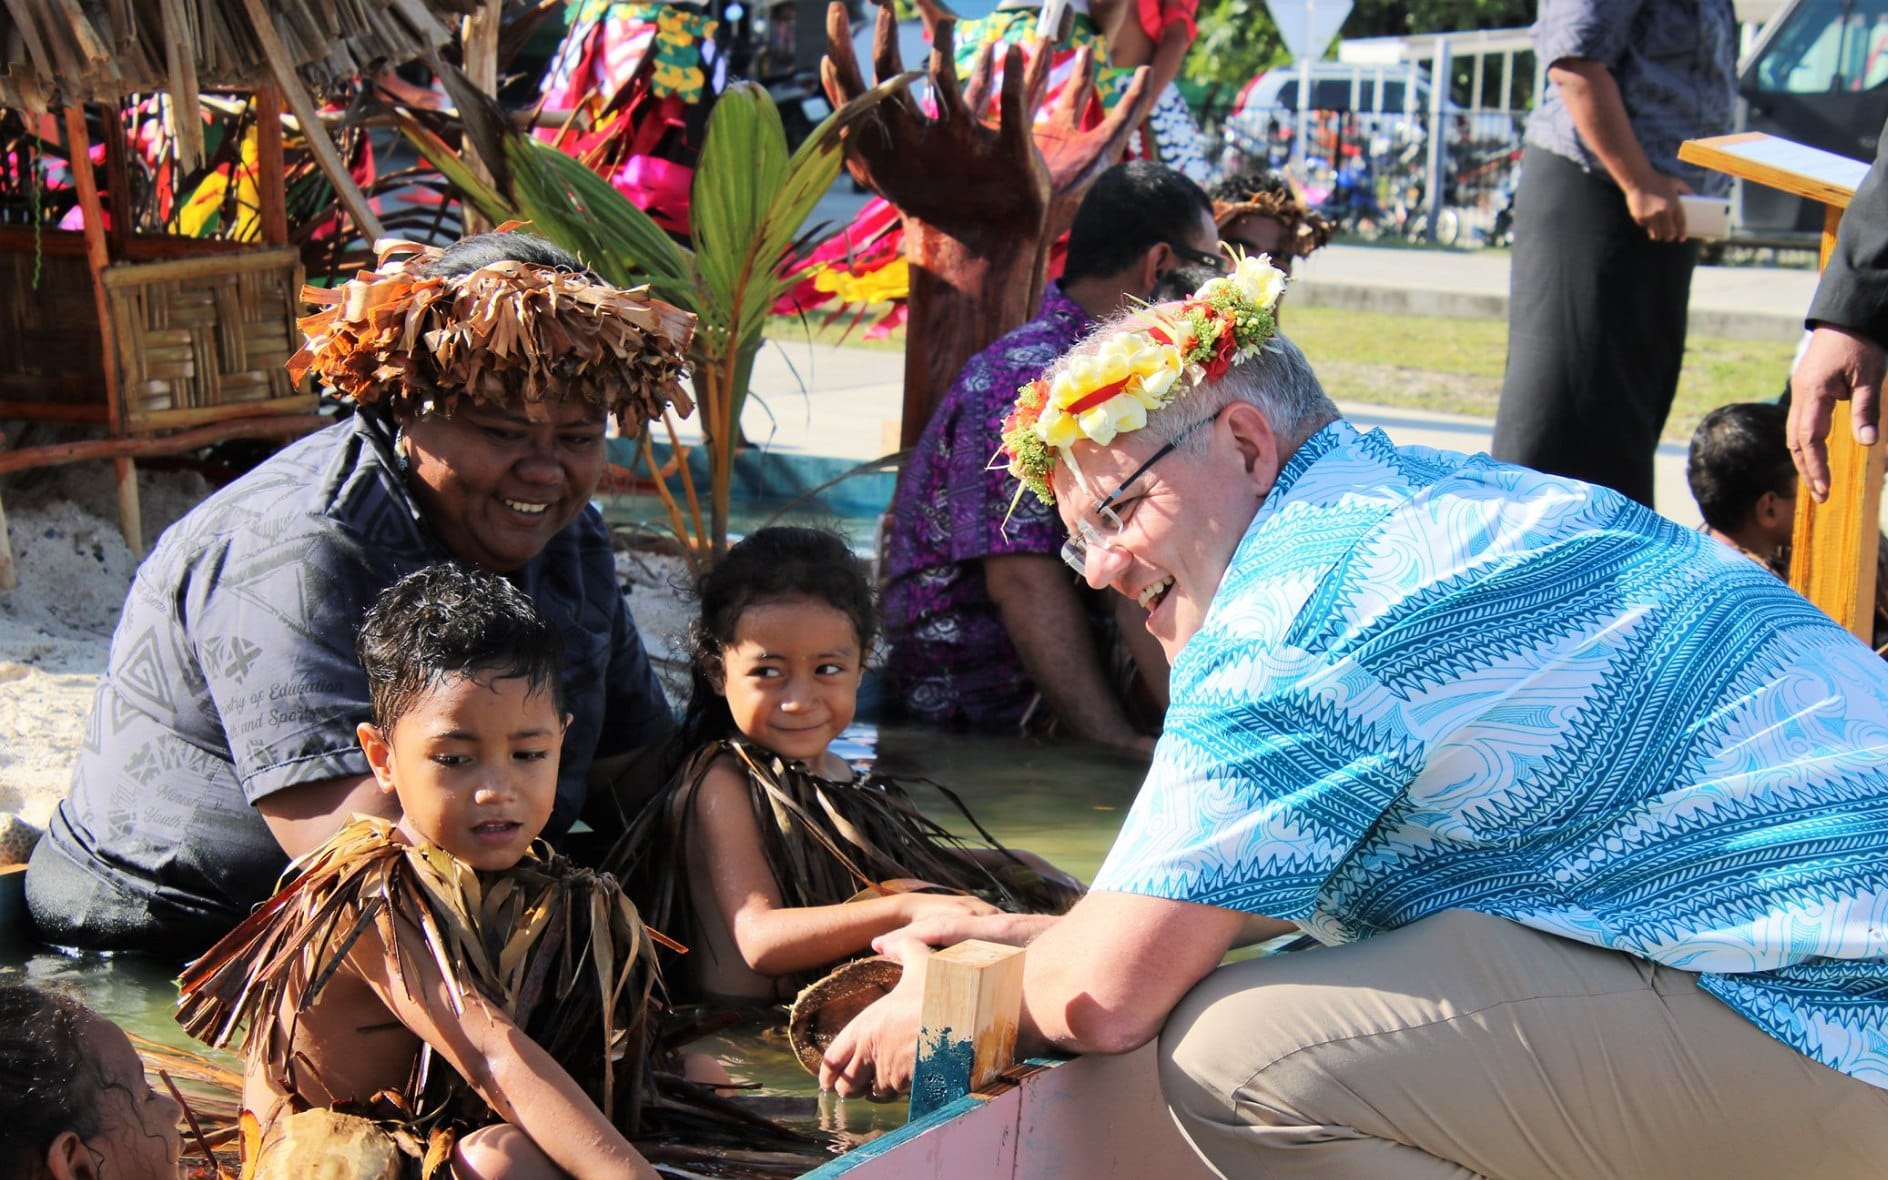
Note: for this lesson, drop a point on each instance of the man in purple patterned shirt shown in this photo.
(980, 613)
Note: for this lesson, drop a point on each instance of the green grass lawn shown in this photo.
(1454, 366)
(1448, 365)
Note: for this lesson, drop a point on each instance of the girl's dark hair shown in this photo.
(469, 254)
(447, 620)
(772, 565)
(49, 1084)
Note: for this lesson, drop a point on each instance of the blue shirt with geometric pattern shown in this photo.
(1430, 681)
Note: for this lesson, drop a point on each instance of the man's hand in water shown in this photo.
(873, 1055)
(1837, 366)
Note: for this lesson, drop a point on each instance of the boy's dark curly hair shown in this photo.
(772, 565)
(448, 621)
(49, 1083)
(1738, 453)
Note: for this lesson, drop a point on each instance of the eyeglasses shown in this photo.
(1217, 263)
(1102, 532)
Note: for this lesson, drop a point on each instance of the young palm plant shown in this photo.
(748, 201)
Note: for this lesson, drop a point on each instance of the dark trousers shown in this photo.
(1596, 331)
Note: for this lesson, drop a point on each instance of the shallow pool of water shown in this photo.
(1062, 801)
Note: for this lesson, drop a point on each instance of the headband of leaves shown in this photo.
(509, 334)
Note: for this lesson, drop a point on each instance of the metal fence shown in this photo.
(1371, 174)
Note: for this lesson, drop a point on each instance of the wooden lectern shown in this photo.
(1832, 555)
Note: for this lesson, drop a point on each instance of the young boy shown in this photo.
(441, 934)
(1739, 470)
(1740, 473)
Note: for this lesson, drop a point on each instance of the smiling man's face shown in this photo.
(1180, 522)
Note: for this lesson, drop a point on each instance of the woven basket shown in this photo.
(204, 339)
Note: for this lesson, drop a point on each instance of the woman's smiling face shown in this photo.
(497, 486)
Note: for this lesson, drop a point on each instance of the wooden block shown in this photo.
(973, 1001)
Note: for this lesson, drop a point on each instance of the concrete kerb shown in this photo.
(1741, 303)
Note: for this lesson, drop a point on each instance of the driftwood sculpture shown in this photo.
(980, 203)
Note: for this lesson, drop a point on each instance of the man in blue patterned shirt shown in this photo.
(1586, 809)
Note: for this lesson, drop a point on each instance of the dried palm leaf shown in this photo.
(558, 948)
(504, 334)
(824, 842)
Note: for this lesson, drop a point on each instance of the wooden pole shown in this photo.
(272, 184)
(973, 1002)
(98, 257)
(299, 101)
(117, 183)
(478, 38)
(9, 574)
(56, 454)
(1832, 549)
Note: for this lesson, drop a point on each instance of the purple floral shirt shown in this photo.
(950, 660)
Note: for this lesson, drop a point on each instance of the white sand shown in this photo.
(75, 568)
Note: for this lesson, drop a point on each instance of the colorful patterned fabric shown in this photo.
(1434, 682)
(1674, 62)
(606, 41)
(950, 660)
(1017, 26)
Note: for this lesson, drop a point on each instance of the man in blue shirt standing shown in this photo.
(1600, 282)
(1585, 808)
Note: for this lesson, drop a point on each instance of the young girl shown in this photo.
(766, 853)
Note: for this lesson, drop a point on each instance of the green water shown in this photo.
(646, 512)
(1062, 801)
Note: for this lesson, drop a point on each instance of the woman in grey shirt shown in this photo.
(221, 741)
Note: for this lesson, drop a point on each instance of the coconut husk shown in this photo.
(507, 334)
(824, 842)
(824, 1007)
(330, 1145)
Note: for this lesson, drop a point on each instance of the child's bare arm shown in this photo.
(509, 1070)
(773, 939)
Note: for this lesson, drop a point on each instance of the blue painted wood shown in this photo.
(942, 1073)
(891, 1141)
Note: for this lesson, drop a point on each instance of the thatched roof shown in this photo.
(53, 52)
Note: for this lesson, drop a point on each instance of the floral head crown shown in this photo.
(1161, 353)
(509, 333)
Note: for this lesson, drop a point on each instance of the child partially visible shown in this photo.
(397, 972)
(74, 1100)
(1260, 213)
(754, 852)
(1740, 474)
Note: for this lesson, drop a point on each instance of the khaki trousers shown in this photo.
(1464, 1045)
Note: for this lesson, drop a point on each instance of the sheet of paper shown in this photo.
(1706, 218)
(1801, 159)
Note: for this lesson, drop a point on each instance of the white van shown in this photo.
(1399, 89)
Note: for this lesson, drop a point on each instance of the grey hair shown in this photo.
(1278, 380)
